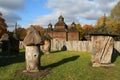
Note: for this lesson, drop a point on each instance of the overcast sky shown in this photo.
(42, 12)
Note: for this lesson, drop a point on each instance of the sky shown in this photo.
(43, 12)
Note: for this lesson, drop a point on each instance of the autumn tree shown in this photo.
(100, 21)
(112, 23)
(40, 29)
(87, 29)
(118, 31)
(3, 25)
(115, 13)
(108, 21)
(79, 27)
(20, 33)
(115, 17)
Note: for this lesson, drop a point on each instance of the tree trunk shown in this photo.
(32, 58)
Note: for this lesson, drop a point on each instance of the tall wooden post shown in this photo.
(32, 57)
(32, 42)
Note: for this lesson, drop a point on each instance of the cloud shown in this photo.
(80, 11)
(12, 4)
(9, 9)
(9, 15)
(106, 5)
(46, 19)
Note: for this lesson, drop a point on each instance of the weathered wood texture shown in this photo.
(32, 58)
(21, 45)
(33, 37)
(32, 42)
(102, 49)
(83, 46)
(46, 47)
(117, 46)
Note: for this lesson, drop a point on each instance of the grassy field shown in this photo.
(65, 65)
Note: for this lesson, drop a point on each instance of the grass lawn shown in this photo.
(65, 65)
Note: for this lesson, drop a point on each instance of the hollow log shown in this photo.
(46, 47)
(102, 49)
(32, 58)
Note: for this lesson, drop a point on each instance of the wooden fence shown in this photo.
(83, 46)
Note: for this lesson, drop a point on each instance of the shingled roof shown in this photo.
(73, 29)
(33, 37)
(61, 22)
(5, 37)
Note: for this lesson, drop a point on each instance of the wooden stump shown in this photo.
(32, 58)
(102, 50)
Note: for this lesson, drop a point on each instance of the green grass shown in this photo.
(66, 65)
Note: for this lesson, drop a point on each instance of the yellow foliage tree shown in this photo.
(108, 21)
(113, 25)
(100, 21)
(115, 12)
